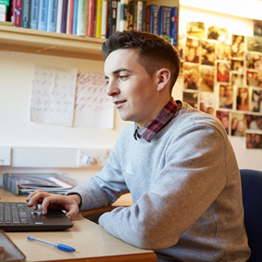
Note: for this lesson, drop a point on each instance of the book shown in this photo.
(118, 15)
(174, 26)
(91, 22)
(17, 12)
(139, 23)
(152, 18)
(99, 6)
(64, 16)
(25, 183)
(59, 16)
(75, 17)
(134, 14)
(130, 15)
(123, 15)
(34, 14)
(3, 17)
(81, 17)
(104, 19)
(3, 9)
(70, 17)
(43, 14)
(26, 8)
(112, 13)
(52, 15)
(165, 22)
(5, 2)
(143, 16)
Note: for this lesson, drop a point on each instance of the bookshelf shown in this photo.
(17, 39)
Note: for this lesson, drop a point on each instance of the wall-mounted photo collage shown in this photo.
(224, 80)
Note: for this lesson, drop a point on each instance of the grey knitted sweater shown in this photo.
(186, 189)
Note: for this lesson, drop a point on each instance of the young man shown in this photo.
(176, 161)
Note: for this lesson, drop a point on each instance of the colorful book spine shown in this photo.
(70, 17)
(5, 2)
(112, 12)
(99, 7)
(17, 15)
(64, 16)
(134, 15)
(104, 19)
(26, 7)
(174, 26)
(118, 15)
(165, 22)
(130, 15)
(34, 14)
(59, 16)
(143, 16)
(3, 9)
(153, 18)
(52, 15)
(81, 17)
(139, 15)
(3, 17)
(43, 14)
(123, 15)
(75, 17)
(91, 17)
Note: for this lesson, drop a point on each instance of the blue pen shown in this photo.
(59, 246)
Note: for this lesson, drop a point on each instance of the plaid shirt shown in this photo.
(161, 120)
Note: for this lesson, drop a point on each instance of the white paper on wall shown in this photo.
(53, 95)
(93, 108)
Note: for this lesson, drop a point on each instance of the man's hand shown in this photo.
(69, 203)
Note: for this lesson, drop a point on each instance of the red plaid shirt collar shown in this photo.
(169, 112)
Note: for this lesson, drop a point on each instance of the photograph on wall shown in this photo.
(255, 122)
(254, 78)
(216, 33)
(208, 55)
(254, 61)
(207, 102)
(238, 124)
(242, 98)
(256, 100)
(237, 65)
(223, 52)
(238, 46)
(191, 76)
(192, 50)
(226, 96)
(196, 29)
(223, 69)
(253, 141)
(223, 116)
(257, 25)
(254, 43)
(237, 79)
(191, 98)
(207, 78)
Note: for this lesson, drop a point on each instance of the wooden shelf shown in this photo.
(16, 39)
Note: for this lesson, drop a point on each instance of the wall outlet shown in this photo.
(5, 156)
(93, 157)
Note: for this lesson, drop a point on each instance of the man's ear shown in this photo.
(163, 76)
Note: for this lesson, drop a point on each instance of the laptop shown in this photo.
(18, 217)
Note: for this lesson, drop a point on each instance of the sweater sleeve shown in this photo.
(193, 176)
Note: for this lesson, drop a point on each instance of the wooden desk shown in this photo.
(92, 242)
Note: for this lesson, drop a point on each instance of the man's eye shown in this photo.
(123, 77)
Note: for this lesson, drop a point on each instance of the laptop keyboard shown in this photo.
(13, 213)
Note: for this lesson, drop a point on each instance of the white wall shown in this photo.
(16, 71)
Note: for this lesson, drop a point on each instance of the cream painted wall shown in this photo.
(16, 71)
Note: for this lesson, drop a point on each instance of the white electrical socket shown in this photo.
(93, 157)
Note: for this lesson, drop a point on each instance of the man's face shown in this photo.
(132, 90)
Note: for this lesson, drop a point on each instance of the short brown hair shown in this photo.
(154, 51)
